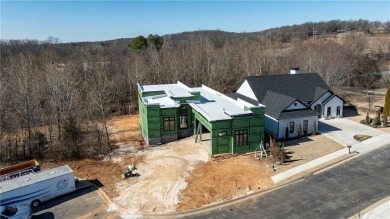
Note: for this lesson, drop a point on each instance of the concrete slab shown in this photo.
(342, 130)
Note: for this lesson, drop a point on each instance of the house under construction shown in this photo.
(169, 112)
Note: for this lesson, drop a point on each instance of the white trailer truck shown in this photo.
(32, 189)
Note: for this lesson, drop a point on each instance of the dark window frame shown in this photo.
(169, 123)
(305, 126)
(241, 137)
(183, 113)
(291, 130)
(338, 110)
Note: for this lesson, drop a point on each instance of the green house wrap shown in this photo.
(169, 112)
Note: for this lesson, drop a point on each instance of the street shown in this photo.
(339, 192)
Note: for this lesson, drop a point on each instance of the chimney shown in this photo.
(294, 71)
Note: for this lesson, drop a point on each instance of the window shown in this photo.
(220, 134)
(183, 118)
(241, 137)
(169, 123)
(291, 127)
(9, 211)
(295, 104)
(338, 110)
(305, 122)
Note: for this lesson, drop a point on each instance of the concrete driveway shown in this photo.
(342, 130)
(84, 203)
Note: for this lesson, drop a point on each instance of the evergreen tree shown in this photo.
(386, 109)
(155, 40)
(139, 42)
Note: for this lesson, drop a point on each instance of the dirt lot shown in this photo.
(179, 175)
(105, 172)
(161, 177)
(359, 99)
(306, 149)
(99, 172)
(224, 179)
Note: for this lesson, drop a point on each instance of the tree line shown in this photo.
(56, 98)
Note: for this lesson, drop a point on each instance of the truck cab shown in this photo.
(17, 212)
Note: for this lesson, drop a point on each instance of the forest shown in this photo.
(55, 98)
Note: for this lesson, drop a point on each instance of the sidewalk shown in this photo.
(340, 130)
(382, 211)
(309, 165)
(379, 210)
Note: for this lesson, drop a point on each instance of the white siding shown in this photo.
(321, 100)
(296, 105)
(333, 103)
(246, 90)
(283, 123)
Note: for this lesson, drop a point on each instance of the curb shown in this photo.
(215, 205)
(369, 208)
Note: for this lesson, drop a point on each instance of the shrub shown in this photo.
(375, 121)
(278, 153)
(367, 119)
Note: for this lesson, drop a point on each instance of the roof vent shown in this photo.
(294, 71)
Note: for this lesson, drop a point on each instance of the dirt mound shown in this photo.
(104, 174)
(219, 180)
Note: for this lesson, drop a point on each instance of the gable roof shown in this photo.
(331, 97)
(275, 103)
(300, 86)
(319, 92)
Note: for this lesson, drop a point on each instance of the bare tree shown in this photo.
(99, 95)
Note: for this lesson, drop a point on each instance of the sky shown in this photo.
(74, 21)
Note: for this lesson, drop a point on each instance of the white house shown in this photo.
(293, 102)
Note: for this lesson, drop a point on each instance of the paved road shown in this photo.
(85, 203)
(339, 192)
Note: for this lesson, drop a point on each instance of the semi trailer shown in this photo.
(35, 188)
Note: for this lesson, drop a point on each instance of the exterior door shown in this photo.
(318, 108)
(328, 111)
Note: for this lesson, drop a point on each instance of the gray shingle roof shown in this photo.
(300, 86)
(297, 114)
(275, 103)
(235, 96)
(318, 93)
